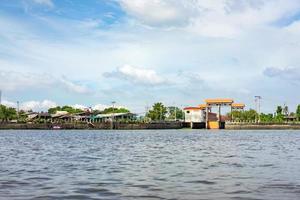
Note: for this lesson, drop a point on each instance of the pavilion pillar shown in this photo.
(219, 115)
(231, 113)
(206, 117)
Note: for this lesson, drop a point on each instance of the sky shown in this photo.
(137, 52)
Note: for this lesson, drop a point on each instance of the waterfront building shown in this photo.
(114, 116)
(194, 114)
(202, 114)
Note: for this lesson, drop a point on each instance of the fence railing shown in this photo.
(261, 123)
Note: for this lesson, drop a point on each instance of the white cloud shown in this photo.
(37, 105)
(222, 18)
(291, 74)
(48, 3)
(46, 104)
(100, 107)
(9, 104)
(31, 105)
(18, 81)
(159, 13)
(196, 43)
(74, 87)
(11, 80)
(137, 75)
(96, 107)
(79, 106)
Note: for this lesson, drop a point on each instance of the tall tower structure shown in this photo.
(257, 104)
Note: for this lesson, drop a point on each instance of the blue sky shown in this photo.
(137, 52)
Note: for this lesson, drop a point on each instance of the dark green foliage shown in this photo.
(248, 115)
(171, 113)
(7, 113)
(69, 109)
(279, 110)
(279, 114)
(266, 117)
(298, 112)
(114, 110)
(158, 112)
(278, 117)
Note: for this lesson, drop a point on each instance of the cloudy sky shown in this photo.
(136, 52)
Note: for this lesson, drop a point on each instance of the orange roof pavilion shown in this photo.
(202, 106)
(238, 105)
(192, 108)
(218, 101)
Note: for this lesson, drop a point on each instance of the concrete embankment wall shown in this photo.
(97, 126)
(244, 126)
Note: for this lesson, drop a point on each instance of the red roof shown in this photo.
(192, 108)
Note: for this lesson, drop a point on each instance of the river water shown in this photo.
(162, 164)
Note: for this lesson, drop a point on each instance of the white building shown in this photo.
(194, 114)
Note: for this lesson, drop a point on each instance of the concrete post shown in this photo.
(206, 117)
(219, 115)
(231, 113)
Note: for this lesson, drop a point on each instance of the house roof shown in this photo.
(218, 101)
(192, 108)
(60, 113)
(44, 114)
(202, 106)
(238, 105)
(290, 117)
(114, 115)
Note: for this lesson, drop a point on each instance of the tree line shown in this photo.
(8, 113)
(280, 115)
(160, 112)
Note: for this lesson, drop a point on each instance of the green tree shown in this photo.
(298, 112)
(175, 110)
(236, 115)
(266, 117)
(54, 110)
(279, 114)
(69, 109)
(286, 110)
(279, 110)
(158, 112)
(247, 115)
(7, 113)
(114, 110)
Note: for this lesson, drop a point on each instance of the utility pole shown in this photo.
(257, 103)
(160, 116)
(146, 109)
(175, 112)
(0, 96)
(18, 110)
(113, 114)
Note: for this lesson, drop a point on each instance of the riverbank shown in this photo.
(140, 126)
(95, 126)
(249, 126)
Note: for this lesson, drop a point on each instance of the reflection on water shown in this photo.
(163, 164)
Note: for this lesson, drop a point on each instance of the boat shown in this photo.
(56, 127)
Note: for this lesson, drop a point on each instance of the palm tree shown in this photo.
(7, 113)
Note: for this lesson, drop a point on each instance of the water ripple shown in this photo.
(161, 164)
